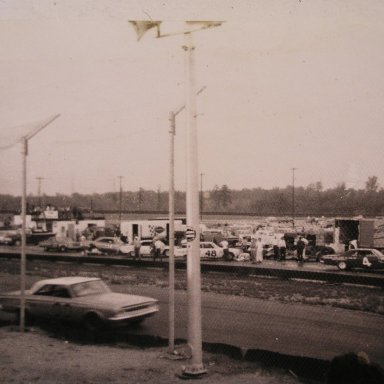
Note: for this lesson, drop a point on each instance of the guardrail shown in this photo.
(356, 278)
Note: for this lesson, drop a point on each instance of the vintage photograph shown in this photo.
(191, 190)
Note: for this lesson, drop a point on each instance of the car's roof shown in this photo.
(67, 280)
(361, 249)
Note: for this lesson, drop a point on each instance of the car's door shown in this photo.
(104, 245)
(210, 250)
(352, 259)
(51, 301)
(368, 259)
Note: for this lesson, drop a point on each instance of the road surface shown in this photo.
(318, 332)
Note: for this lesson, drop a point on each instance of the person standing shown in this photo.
(159, 249)
(259, 250)
(137, 246)
(282, 248)
(300, 248)
(276, 248)
(353, 244)
(224, 244)
(252, 249)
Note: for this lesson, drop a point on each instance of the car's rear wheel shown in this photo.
(230, 256)
(93, 322)
(62, 248)
(167, 253)
(342, 265)
(17, 243)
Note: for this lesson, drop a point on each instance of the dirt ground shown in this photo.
(35, 357)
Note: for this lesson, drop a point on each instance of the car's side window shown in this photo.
(53, 290)
(45, 290)
(60, 291)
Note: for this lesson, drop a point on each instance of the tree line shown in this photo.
(312, 200)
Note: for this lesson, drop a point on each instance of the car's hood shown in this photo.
(105, 300)
(113, 300)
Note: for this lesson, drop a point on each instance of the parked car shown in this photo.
(110, 245)
(146, 248)
(366, 258)
(79, 299)
(63, 245)
(6, 240)
(208, 250)
(10, 237)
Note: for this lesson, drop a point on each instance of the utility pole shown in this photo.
(158, 198)
(120, 199)
(293, 197)
(39, 179)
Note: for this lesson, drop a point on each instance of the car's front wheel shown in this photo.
(342, 265)
(93, 322)
(167, 253)
(62, 248)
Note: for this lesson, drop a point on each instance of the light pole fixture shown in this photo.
(196, 367)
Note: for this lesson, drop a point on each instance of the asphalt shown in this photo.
(301, 336)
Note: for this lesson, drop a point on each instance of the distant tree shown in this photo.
(225, 195)
(215, 196)
(372, 184)
(140, 197)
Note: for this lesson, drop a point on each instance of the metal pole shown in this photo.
(24, 154)
(39, 179)
(120, 200)
(293, 197)
(171, 339)
(24, 142)
(193, 259)
(172, 131)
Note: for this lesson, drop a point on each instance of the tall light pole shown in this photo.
(196, 367)
(172, 133)
(293, 197)
(24, 141)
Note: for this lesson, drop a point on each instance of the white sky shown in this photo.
(289, 84)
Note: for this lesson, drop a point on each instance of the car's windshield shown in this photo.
(88, 288)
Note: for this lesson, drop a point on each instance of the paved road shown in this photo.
(295, 330)
(249, 323)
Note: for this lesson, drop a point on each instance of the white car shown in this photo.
(208, 250)
(110, 245)
(86, 300)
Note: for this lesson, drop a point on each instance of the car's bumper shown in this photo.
(134, 315)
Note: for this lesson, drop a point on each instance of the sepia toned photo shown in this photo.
(191, 191)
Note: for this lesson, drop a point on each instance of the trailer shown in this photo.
(349, 229)
(148, 229)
